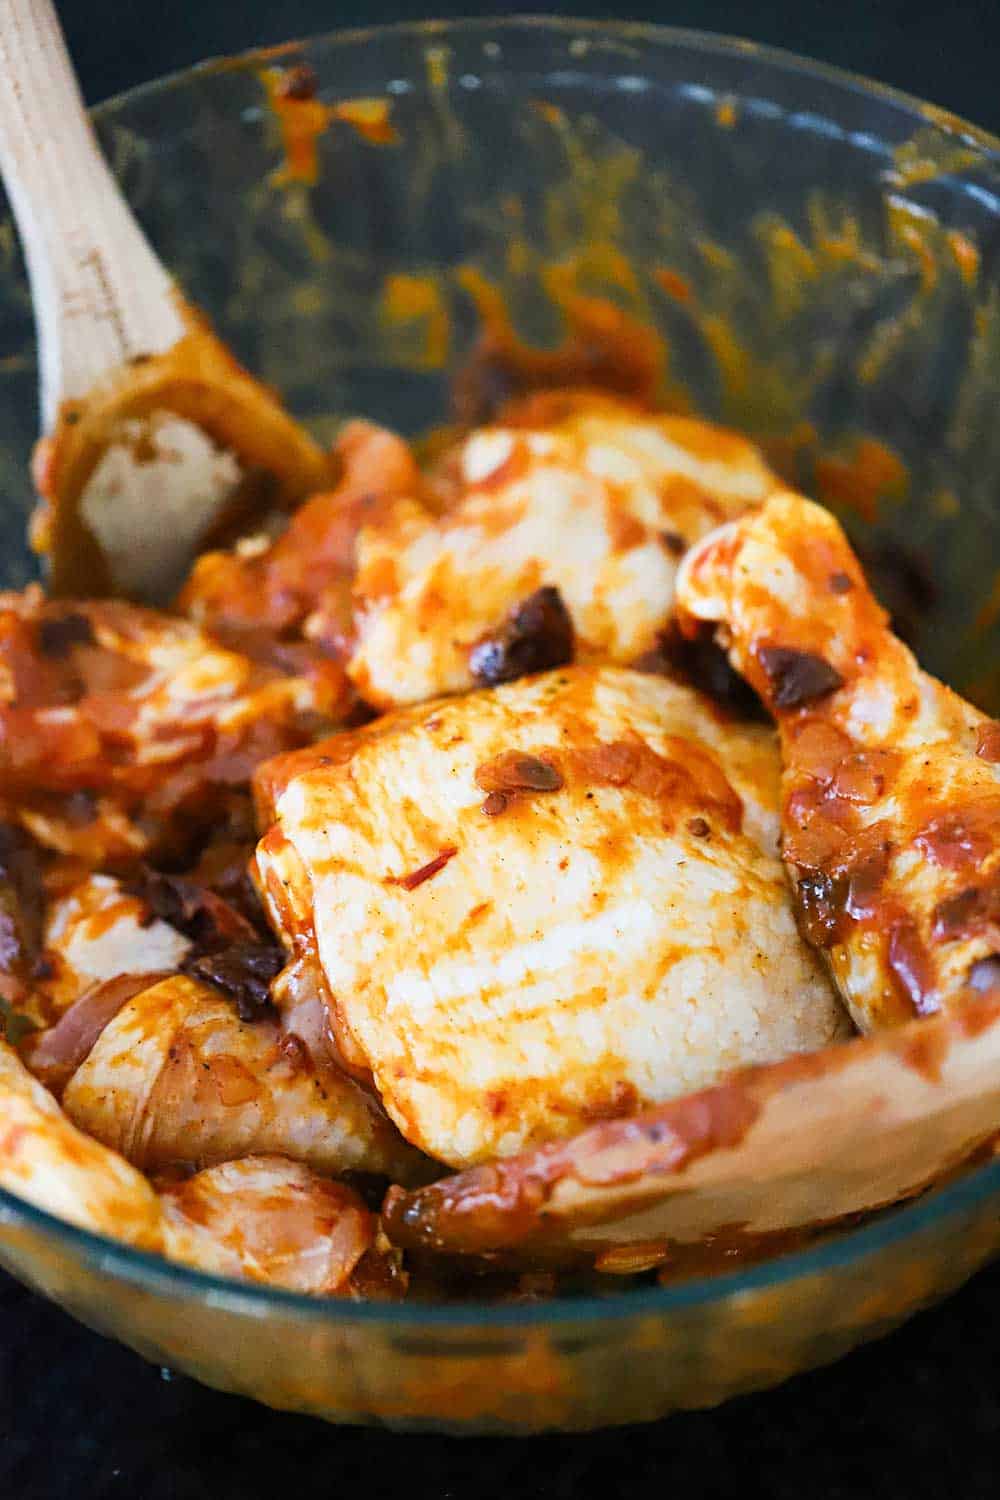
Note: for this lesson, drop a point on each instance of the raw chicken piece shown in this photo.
(271, 587)
(174, 1076)
(565, 542)
(262, 1219)
(751, 1164)
(891, 782)
(116, 721)
(268, 1219)
(98, 931)
(542, 905)
(46, 1160)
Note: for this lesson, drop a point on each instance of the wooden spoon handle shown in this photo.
(101, 295)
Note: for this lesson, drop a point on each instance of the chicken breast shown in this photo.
(891, 801)
(542, 905)
(115, 720)
(595, 506)
(174, 1076)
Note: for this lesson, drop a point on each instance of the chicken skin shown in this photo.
(167, 1073)
(270, 1220)
(116, 721)
(544, 904)
(891, 782)
(261, 1219)
(48, 1161)
(592, 508)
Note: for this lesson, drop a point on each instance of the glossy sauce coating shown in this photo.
(176, 1077)
(118, 725)
(268, 591)
(890, 807)
(536, 931)
(588, 499)
(616, 932)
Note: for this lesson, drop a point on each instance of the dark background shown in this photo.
(916, 1415)
(944, 53)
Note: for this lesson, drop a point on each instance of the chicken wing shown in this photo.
(543, 904)
(565, 542)
(891, 782)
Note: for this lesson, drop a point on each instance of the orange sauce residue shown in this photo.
(989, 612)
(370, 118)
(792, 267)
(415, 305)
(730, 356)
(604, 347)
(673, 283)
(860, 480)
(725, 113)
(550, 113)
(715, 255)
(915, 241)
(437, 59)
(592, 270)
(966, 255)
(101, 922)
(929, 154)
(302, 118)
(785, 451)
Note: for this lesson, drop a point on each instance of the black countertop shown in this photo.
(913, 1416)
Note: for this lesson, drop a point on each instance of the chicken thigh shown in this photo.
(261, 1219)
(268, 1219)
(170, 1074)
(542, 905)
(116, 720)
(563, 543)
(891, 782)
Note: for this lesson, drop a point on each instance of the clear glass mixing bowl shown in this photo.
(819, 258)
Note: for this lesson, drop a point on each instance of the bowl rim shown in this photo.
(152, 1272)
(724, 43)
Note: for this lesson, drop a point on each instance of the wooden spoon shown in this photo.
(150, 424)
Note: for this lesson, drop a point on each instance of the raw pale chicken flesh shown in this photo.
(544, 904)
(891, 782)
(534, 933)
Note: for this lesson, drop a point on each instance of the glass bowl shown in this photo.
(819, 259)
